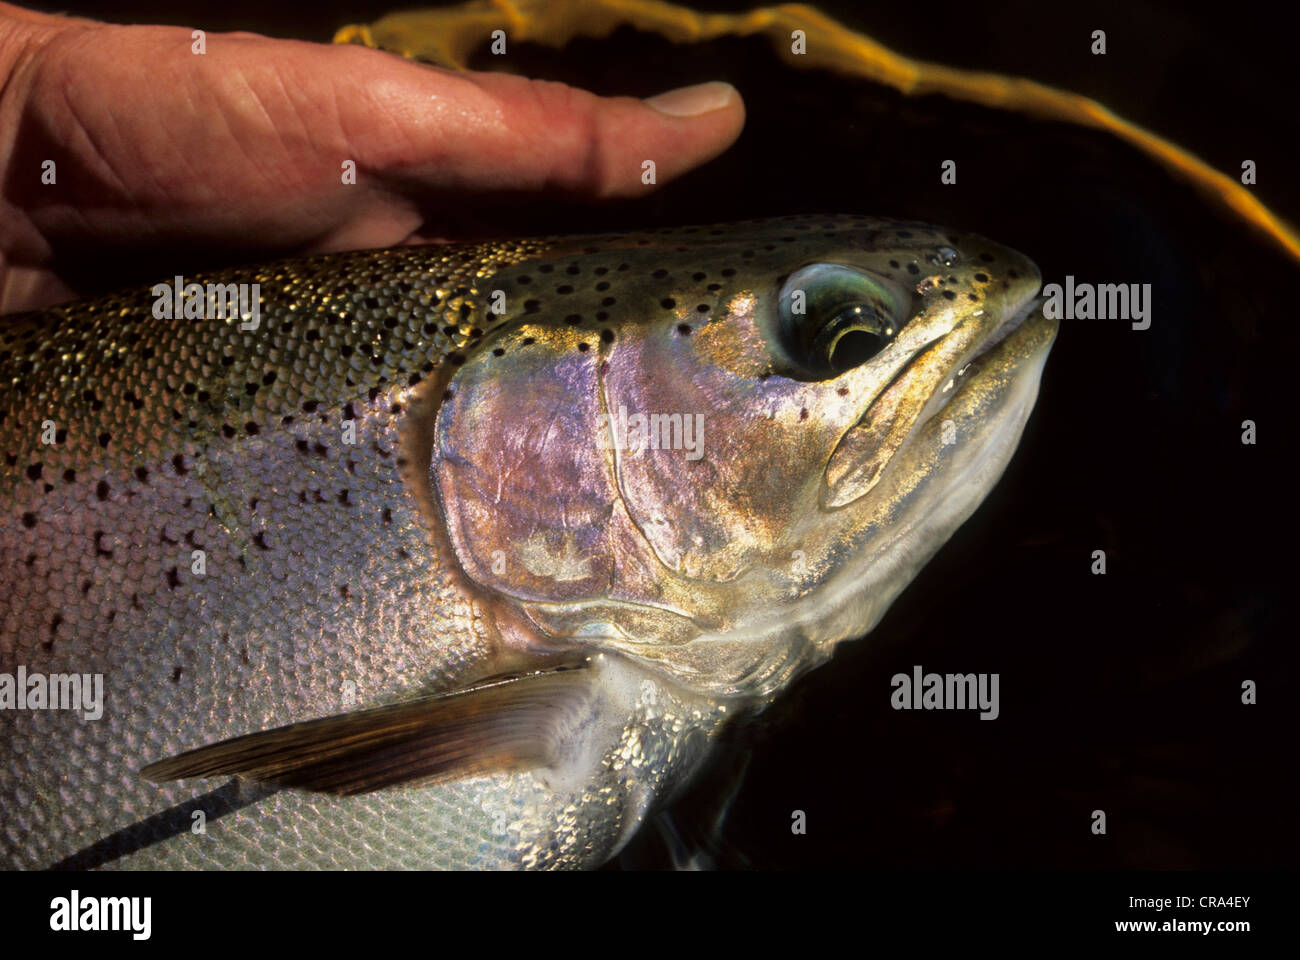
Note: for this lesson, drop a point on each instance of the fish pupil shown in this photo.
(854, 348)
(852, 337)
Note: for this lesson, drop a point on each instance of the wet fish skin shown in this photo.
(341, 576)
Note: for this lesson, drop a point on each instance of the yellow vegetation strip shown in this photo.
(449, 35)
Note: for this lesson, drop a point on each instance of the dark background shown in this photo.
(1120, 692)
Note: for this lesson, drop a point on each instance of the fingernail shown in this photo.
(693, 101)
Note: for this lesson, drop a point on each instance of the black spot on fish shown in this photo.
(949, 295)
(982, 277)
(259, 538)
(29, 520)
(101, 490)
(173, 578)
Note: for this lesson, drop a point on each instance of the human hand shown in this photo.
(238, 153)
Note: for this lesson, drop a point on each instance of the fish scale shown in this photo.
(329, 583)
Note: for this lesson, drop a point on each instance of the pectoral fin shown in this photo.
(501, 724)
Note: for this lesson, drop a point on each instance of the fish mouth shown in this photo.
(960, 384)
(989, 351)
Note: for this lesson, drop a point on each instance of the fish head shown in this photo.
(721, 451)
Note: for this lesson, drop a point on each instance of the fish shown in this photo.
(462, 556)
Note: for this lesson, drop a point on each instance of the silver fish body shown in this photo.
(413, 473)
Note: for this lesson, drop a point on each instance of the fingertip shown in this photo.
(687, 127)
(694, 100)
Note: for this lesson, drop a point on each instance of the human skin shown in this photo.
(163, 154)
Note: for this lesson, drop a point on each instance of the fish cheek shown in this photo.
(522, 483)
(721, 462)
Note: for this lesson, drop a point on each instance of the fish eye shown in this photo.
(834, 318)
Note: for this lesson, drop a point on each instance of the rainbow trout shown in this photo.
(461, 556)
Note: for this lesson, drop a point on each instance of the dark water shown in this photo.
(1119, 692)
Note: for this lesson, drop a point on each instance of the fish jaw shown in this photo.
(952, 460)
